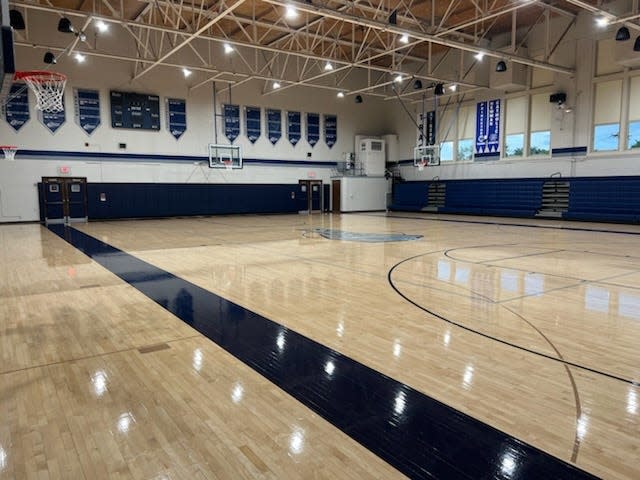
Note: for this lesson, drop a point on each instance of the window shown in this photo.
(466, 132)
(540, 143)
(633, 129)
(540, 136)
(606, 116)
(446, 151)
(514, 145)
(515, 126)
(606, 137)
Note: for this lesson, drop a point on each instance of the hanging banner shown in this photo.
(274, 125)
(231, 115)
(426, 129)
(481, 127)
(52, 120)
(16, 111)
(176, 116)
(493, 127)
(87, 109)
(330, 130)
(294, 130)
(313, 128)
(252, 123)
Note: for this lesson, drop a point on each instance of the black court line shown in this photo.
(527, 225)
(491, 337)
(418, 435)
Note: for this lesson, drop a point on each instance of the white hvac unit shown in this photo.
(372, 156)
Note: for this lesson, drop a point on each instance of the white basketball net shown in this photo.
(228, 164)
(48, 89)
(421, 165)
(9, 152)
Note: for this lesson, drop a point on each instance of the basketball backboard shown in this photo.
(426, 156)
(221, 155)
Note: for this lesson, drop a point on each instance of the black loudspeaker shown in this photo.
(558, 98)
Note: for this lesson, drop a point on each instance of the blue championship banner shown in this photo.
(176, 116)
(313, 128)
(52, 121)
(231, 115)
(16, 111)
(252, 123)
(488, 128)
(274, 125)
(87, 109)
(330, 130)
(294, 130)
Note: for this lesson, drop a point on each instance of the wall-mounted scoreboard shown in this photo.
(138, 111)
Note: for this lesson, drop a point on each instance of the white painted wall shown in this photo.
(361, 194)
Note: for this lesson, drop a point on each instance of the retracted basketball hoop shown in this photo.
(48, 87)
(9, 151)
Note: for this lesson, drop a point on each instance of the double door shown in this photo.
(64, 199)
(310, 196)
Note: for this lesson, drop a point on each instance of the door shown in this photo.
(53, 195)
(65, 199)
(335, 196)
(316, 195)
(303, 196)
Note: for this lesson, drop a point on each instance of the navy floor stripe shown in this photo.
(418, 435)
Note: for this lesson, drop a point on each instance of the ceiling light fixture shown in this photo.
(622, 35)
(602, 22)
(328, 67)
(16, 20)
(398, 78)
(50, 58)
(501, 66)
(358, 99)
(453, 87)
(228, 48)
(80, 58)
(439, 89)
(102, 26)
(479, 56)
(186, 72)
(417, 85)
(404, 38)
(276, 85)
(340, 94)
(64, 25)
(291, 13)
(636, 45)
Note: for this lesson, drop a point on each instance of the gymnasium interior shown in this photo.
(320, 239)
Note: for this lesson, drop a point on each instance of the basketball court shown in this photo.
(214, 266)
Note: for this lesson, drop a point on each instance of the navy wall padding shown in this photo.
(614, 199)
(410, 196)
(133, 200)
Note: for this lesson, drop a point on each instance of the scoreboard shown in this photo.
(138, 111)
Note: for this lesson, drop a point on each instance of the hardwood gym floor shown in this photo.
(533, 331)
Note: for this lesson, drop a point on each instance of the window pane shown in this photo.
(540, 143)
(514, 145)
(465, 149)
(634, 135)
(606, 137)
(446, 151)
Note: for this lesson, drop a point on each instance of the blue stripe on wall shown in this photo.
(418, 435)
(569, 152)
(139, 157)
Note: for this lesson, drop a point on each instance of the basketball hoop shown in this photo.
(48, 88)
(421, 165)
(9, 152)
(228, 164)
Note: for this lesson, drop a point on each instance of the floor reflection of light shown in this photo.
(629, 305)
(280, 341)
(124, 422)
(447, 339)
(197, 359)
(596, 299)
(296, 441)
(632, 401)
(508, 465)
(444, 270)
(462, 274)
(397, 348)
(467, 378)
(582, 427)
(509, 281)
(533, 284)
(237, 393)
(340, 329)
(400, 403)
(329, 368)
(3, 459)
(99, 381)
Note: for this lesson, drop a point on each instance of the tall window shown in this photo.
(466, 132)
(446, 133)
(540, 136)
(633, 129)
(515, 126)
(606, 116)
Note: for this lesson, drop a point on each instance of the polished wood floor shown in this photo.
(532, 330)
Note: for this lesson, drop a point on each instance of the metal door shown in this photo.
(76, 199)
(53, 195)
(316, 196)
(64, 199)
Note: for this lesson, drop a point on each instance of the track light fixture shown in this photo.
(501, 66)
(50, 58)
(16, 20)
(439, 89)
(358, 99)
(64, 25)
(636, 45)
(622, 35)
(393, 18)
(417, 85)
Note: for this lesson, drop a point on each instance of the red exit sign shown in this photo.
(64, 170)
